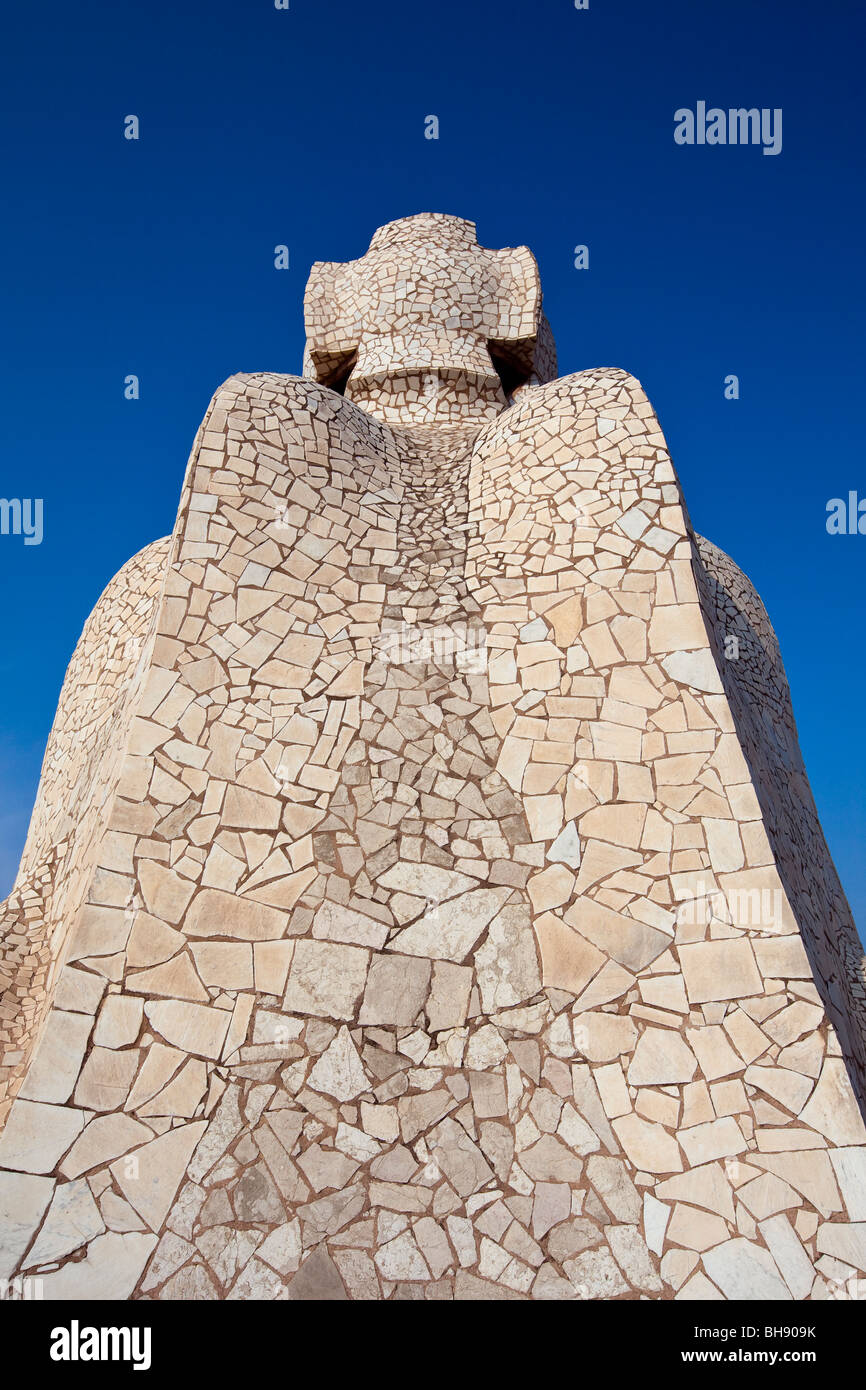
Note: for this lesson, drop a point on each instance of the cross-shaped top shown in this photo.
(428, 325)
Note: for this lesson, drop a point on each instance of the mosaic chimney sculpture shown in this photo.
(424, 896)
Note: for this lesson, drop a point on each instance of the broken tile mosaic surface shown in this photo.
(420, 902)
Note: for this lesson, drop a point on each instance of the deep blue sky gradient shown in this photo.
(305, 127)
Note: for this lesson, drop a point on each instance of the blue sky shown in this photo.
(306, 127)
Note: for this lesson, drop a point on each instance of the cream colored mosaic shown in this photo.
(451, 914)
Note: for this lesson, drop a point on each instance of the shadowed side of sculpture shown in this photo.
(757, 688)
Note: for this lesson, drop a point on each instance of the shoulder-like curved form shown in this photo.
(79, 775)
(756, 686)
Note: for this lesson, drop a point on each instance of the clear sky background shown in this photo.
(306, 127)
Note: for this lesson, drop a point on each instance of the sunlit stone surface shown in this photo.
(424, 896)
